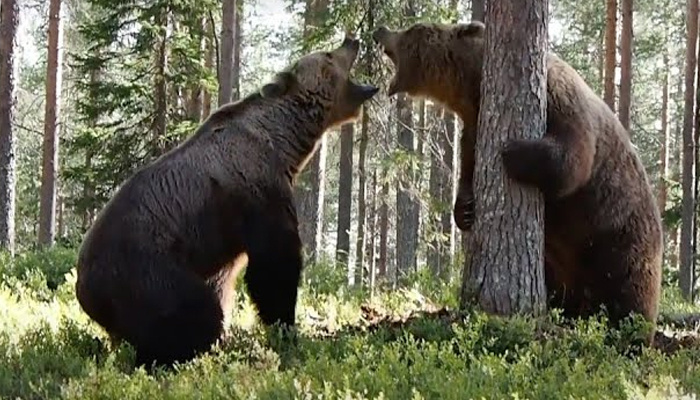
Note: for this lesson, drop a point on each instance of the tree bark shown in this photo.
(237, 35)
(436, 251)
(9, 19)
(626, 63)
(342, 250)
(47, 204)
(160, 120)
(406, 231)
(687, 278)
(208, 65)
(610, 53)
(478, 10)
(383, 267)
(448, 141)
(506, 275)
(362, 219)
(665, 136)
(226, 50)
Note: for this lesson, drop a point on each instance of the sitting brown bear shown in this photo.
(158, 266)
(603, 235)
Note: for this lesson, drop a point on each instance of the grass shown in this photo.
(395, 345)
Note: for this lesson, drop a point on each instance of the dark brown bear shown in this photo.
(158, 266)
(603, 241)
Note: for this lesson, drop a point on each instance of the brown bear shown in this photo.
(603, 235)
(157, 268)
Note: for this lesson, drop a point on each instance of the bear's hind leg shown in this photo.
(174, 319)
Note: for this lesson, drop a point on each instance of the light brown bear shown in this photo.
(158, 266)
(603, 235)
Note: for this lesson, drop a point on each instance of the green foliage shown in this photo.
(49, 349)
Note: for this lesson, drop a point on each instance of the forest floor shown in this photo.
(397, 344)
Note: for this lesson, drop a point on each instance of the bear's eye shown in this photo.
(328, 55)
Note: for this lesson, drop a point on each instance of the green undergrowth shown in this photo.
(395, 344)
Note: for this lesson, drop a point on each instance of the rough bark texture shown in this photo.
(626, 64)
(362, 220)
(665, 135)
(383, 262)
(506, 275)
(342, 250)
(478, 10)
(406, 229)
(610, 53)
(9, 18)
(436, 250)
(49, 165)
(226, 50)
(687, 277)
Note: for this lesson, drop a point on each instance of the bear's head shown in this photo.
(323, 78)
(434, 60)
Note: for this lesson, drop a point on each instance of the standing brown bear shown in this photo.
(603, 240)
(158, 266)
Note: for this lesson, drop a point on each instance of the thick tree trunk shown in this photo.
(342, 250)
(626, 63)
(406, 231)
(610, 53)
(226, 50)
(687, 277)
(506, 275)
(362, 219)
(49, 165)
(478, 10)
(9, 19)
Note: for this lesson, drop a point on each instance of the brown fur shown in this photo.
(603, 240)
(158, 266)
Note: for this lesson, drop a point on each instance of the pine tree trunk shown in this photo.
(362, 219)
(9, 18)
(208, 65)
(478, 10)
(610, 52)
(47, 204)
(238, 34)
(436, 248)
(626, 63)
(446, 220)
(687, 277)
(406, 231)
(372, 262)
(160, 120)
(226, 50)
(342, 250)
(665, 136)
(506, 275)
(383, 267)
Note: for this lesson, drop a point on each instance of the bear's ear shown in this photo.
(279, 86)
(473, 28)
